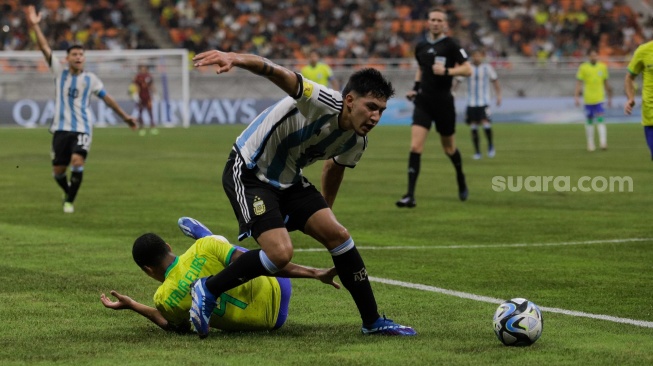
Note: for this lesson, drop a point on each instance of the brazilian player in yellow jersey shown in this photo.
(319, 72)
(642, 63)
(592, 78)
(259, 304)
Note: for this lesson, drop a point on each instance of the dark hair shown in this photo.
(437, 9)
(593, 49)
(149, 250)
(367, 81)
(74, 47)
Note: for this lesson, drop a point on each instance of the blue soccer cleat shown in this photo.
(193, 228)
(385, 326)
(203, 303)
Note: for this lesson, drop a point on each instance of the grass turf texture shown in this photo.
(55, 265)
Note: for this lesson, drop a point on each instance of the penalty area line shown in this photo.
(481, 246)
(492, 300)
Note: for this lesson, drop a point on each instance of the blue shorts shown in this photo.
(648, 132)
(594, 110)
(286, 291)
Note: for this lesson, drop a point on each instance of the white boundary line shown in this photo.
(480, 246)
(465, 295)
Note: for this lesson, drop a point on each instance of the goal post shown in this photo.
(27, 89)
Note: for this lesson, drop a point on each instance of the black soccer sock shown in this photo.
(414, 161)
(62, 181)
(75, 182)
(243, 269)
(475, 140)
(457, 162)
(488, 134)
(353, 276)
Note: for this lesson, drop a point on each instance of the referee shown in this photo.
(439, 58)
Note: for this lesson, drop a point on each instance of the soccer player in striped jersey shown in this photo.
(260, 304)
(72, 125)
(268, 193)
(640, 64)
(479, 99)
(592, 79)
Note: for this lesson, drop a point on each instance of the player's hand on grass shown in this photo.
(327, 275)
(32, 16)
(124, 302)
(223, 61)
(628, 107)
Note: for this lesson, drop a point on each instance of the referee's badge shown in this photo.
(259, 206)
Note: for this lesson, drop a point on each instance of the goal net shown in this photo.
(27, 88)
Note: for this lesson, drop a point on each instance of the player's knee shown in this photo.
(281, 256)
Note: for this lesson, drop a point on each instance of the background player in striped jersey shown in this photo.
(260, 304)
(270, 196)
(72, 125)
(479, 99)
(592, 79)
(439, 59)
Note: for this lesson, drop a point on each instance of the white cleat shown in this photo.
(68, 207)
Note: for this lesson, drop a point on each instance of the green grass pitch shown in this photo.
(55, 266)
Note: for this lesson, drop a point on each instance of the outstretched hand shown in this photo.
(327, 275)
(224, 61)
(32, 16)
(124, 302)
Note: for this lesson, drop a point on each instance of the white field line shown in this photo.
(465, 295)
(480, 246)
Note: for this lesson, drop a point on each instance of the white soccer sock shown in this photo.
(589, 133)
(603, 134)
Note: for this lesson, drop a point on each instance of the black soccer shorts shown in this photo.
(478, 114)
(66, 143)
(439, 110)
(260, 206)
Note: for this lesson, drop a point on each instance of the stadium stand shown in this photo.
(98, 25)
(551, 29)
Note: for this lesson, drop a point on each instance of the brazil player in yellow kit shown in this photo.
(319, 72)
(259, 304)
(592, 78)
(641, 64)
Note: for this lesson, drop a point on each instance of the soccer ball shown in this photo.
(518, 322)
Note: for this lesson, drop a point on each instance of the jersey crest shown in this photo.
(259, 206)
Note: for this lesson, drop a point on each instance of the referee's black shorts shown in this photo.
(260, 207)
(437, 109)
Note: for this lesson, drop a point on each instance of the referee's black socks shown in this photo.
(414, 162)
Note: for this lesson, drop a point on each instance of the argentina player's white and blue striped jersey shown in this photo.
(296, 132)
(478, 85)
(73, 93)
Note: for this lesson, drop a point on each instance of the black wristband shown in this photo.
(416, 86)
(446, 72)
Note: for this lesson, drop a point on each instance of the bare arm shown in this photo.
(629, 87)
(33, 20)
(465, 69)
(418, 78)
(280, 76)
(579, 87)
(608, 89)
(131, 121)
(292, 270)
(332, 175)
(125, 302)
(497, 91)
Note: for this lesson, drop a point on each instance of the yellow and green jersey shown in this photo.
(320, 74)
(251, 306)
(593, 77)
(642, 63)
